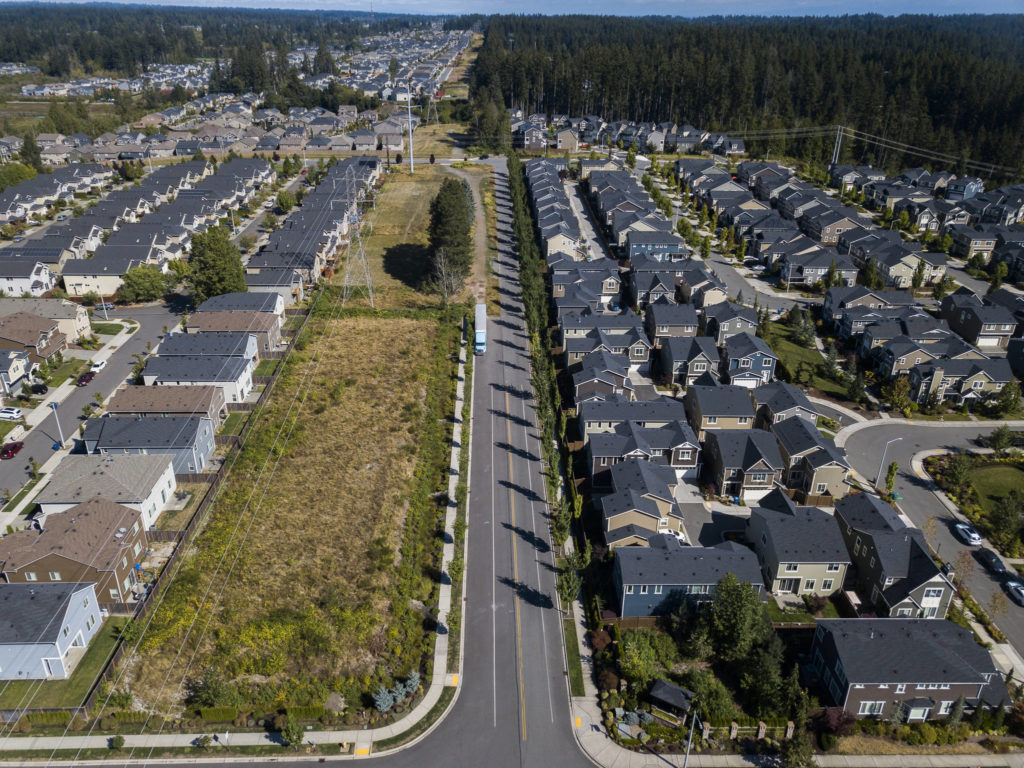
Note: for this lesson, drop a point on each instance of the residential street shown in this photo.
(39, 442)
(864, 450)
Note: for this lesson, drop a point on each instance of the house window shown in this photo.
(686, 455)
(743, 420)
(808, 585)
(55, 576)
(90, 623)
(826, 585)
(700, 367)
(944, 707)
(114, 594)
(712, 419)
(643, 589)
(901, 688)
(977, 384)
(657, 589)
(832, 567)
(604, 461)
(745, 363)
(137, 548)
(64, 632)
(662, 329)
(31, 576)
(629, 589)
(872, 561)
(933, 592)
(759, 477)
(792, 567)
(124, 561)
(871, 708)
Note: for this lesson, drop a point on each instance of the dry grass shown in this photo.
(396, 251)
(458, 84)
(862, 744)
(440, 139)
(309, 593)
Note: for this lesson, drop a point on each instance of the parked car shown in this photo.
(966, 532)
(269, 204)
(98, 365)
(991, 560)
(10, 414)
(1015, 590)
(39, 389)
(10, 450)
(105, 305)
(85, 378)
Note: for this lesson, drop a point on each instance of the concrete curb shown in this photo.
(844, 434)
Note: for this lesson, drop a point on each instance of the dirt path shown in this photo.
(476, 284)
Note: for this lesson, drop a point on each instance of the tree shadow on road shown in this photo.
(529, 537)
(408, 263)
(527, 593)
(520, 452)
(528, 493)
(514, 419)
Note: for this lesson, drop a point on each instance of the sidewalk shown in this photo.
(361, 740)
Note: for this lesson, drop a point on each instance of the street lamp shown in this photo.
(881, 464)
(60, 432)
(689, 741)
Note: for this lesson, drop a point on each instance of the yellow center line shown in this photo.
(515, 567)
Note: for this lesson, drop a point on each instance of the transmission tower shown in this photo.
(432, 111)
(357, 271)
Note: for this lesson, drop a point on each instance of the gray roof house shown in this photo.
(779, 400)
(742, 462)
(189, 440)
(232, 374)
(800, 549)
(747, 360)
(664, 319)
(869, 667)
(251, 301)
(684, 360)
(652, 581)
(45, 629)
(204, 344)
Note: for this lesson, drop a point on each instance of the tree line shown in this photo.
(952, 84)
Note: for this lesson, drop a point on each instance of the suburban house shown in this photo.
(800, 549)
(601, 374)
(869, 667)
(814, 465)
(780, 400)
(28, 332)
(142, 483)
(673, 445)
(96, 541)
(893, 568)
(744, 463)
(14, 367)
(232, 374)
(189, 440)
(726, 319)
(714, 408)
(263, 325)
(664, 319)
(605, 415)
(210, 344)
(19, 277)
(960, 381)
(186, 400)
(245, 302)
(977, 323)
(654, 580)
(46, 629)
(747, 360)
(684, 360)
(72, 319)
(643, 503)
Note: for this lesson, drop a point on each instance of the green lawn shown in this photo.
(792, 354)
(69, 368)
(572, 658)
(6, 427)
(233, 423)
(266, 368)
(107, 329)
(992, 483)
(780, 616)
(70, 692)
(23, 492)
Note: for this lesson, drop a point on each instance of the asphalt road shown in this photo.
(864, 450)
(39, 442)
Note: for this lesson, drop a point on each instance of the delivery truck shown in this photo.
(480, 324)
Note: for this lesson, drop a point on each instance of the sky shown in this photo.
(688, 8)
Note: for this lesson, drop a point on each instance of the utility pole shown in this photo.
(408, 104)
(839, 141)
(60, 432)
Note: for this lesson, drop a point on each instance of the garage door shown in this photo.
(988, 341)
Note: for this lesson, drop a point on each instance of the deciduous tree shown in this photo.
(215, 265)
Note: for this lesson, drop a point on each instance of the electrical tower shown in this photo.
(357, 271)
(432, 111)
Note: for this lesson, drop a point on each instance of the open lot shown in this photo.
(440, 139)
(994, 483)
(321, 585)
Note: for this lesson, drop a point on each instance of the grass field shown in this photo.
(440, 139)
(993, 483)
(792, 354)
(26, 115)
(66, 370)
(458, 84)
(396, 251)
(572, 658)
(107, 329)
(309, 598)
(862, 744)
(70, 692)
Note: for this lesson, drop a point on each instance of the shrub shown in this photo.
(131, 716)
(838, 721)
(828, 741)
(116, 742)
(218, 714)
(49, 718)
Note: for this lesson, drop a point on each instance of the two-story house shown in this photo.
(960, 381)
(601, 374)
(664, 319)
(684, 360)
(814, 465)
(673, 445)
(643, 503)
(748, 361)
(780, 400)
(800, 549)
(38, 336)
(744, 463)
(725, 319)
(714, 408)
(914, 668)
(893, 569)
(650, 581)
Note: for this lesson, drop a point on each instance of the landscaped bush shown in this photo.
(309, 712)
(131, 716)
(49, 718)
(218, 714)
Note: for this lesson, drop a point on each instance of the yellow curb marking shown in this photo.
(579, 722)
(363, 751)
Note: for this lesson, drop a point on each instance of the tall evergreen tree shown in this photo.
(450, 224)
